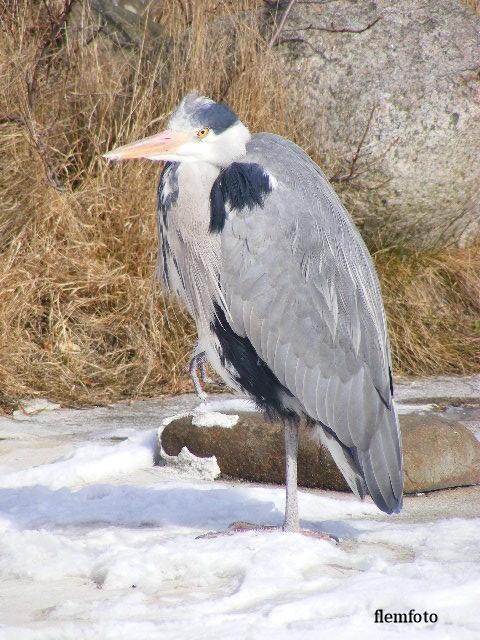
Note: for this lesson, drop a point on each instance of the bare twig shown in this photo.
(275, 36)
(334, 29)
(88, 40)
(92, 36)
(317, 2)
(55, 30)
(49, 11)
(313, 49)
(185, 12)
(239, 72)
(42, 150)
(367, 166)
(271, 43)
(12, 120)
(37, 137)
(352, 173)
(379, 185)
(36, 140)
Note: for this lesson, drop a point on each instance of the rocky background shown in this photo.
(390, 88)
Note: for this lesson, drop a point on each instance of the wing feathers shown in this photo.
(280, 361)
(320, 396)
(300, 376)
(303, 289)
(310, 390)
(340, 426)
(344, 461)
(272, 342)
(290, 373)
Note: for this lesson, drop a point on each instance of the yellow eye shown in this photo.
(203, 132)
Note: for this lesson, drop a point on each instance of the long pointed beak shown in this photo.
(152, 148)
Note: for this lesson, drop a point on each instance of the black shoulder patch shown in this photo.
(242, 184)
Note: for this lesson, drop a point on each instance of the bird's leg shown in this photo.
(203, 370)
(192, 369)
(198, 360)
(292, 521)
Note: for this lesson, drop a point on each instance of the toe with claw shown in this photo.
(198, 361)
(242, 527)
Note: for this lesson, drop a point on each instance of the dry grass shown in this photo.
(432, 300)
(80, 318)
(473, 4)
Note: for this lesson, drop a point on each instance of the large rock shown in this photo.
(437, 454)
(253, 449)
(414, 70)
(128, 23)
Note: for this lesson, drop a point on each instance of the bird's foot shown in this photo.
(204, 375)
(198, 361)
(239, 527)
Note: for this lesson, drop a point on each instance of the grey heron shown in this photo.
(255, 242)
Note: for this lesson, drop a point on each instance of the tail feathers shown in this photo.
(383, 473)
(377, 470)
(344, 460)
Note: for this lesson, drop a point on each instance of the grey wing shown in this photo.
(300, 284)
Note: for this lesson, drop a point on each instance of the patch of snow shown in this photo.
(122, 433)
(34, 406)
(99, 543)
(178, 416)
(213, 419)
(227, 404)
(186, 463)
(403, 408)
(193, 466)
(128, 561)
(88, 463)
(13, 429)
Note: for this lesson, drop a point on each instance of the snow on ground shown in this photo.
(98, 543)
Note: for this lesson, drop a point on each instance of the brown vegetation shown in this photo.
(81, 320)
(432, 300)
(473, 4)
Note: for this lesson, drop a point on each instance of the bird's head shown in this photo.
(199, 130)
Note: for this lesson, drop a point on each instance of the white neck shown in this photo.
(219, 150)
(229, 146)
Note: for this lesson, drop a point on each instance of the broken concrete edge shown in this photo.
(204, 467)
(438, 390)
